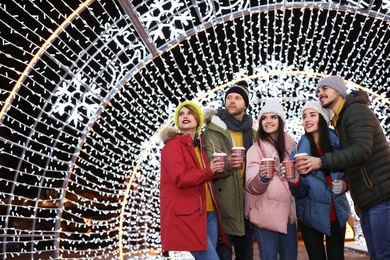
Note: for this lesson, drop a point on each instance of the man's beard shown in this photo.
(236, 112)
(329, 104)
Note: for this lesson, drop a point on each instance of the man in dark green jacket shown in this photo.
(226, 128)
(365, 157)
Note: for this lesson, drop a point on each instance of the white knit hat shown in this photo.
(273, 106)
(317, 107)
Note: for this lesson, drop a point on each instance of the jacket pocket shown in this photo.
(186, 210)
(365, 177)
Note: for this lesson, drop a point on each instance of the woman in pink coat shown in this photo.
(270, 206)
(189, 213)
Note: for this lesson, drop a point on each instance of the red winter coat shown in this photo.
(183, 212)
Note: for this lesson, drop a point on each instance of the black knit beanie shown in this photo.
(241, 90)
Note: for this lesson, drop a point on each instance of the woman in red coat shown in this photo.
(189, 213)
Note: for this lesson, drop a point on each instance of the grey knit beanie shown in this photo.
(334, 82)
(317, 107)
(273, 106)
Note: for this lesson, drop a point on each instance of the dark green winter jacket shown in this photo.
(230, 186)
(365, 154)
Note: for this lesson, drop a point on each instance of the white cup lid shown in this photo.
(300, 154)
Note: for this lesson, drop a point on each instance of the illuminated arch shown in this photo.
(89, 84)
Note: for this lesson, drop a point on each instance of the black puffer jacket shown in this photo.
(365, 154)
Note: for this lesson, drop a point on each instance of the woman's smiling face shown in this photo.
(270, 124)
(310, 119)
(186, 120)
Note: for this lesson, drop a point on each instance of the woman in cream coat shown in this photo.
(270, 206)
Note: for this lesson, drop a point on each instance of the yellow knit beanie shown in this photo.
(194, 105)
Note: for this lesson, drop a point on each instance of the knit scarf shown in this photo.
(243, 126)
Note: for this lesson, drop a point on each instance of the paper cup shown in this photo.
(222, 158)
(269, 163)
(239, 150)
(298, 156)
(289, 167)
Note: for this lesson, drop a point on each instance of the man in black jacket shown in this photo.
(365, 157)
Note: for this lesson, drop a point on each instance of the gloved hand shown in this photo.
(338, 186)
(283, 173)
(263, 180)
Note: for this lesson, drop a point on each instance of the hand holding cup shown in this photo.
(221, 159)
(269, 168)
(237, 156)
(289, 169)
(298, 159)
(239, 150)
(235, 159)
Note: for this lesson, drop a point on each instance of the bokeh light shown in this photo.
(86, 87)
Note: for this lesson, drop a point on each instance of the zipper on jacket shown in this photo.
(201, 204)
(365, 177)
(201, 149)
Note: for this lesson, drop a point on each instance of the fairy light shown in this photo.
(84, 101)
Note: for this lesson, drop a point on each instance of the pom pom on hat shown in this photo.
(194, 105)
(241, 90)
(273, 106)
(317, 107)
(334, 82)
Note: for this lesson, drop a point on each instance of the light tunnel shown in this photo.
(86, 86)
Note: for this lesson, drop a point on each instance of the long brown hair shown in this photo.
(281, 146)
(324, 141)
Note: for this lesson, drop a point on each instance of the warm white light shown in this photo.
(89, 85)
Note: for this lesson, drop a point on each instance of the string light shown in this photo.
(89, 86)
